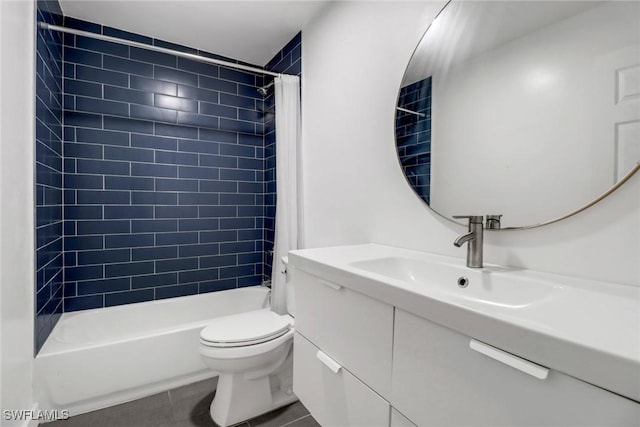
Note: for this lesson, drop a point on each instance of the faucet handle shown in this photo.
(473, 219)
(493, 222)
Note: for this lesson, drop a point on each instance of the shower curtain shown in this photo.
(287, 102)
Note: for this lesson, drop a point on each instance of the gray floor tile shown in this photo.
(75, 421)
(280, 416)
(186, 406)
(306, 421)
(196, 420)
(203, 420)
(193, 399)
(199, 388)
(152, 411)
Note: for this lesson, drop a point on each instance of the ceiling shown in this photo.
(252, 31)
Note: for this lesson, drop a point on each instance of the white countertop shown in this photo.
(587, 329)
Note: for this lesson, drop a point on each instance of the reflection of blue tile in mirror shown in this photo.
(413, 135)
(402, 141)
(417, 149)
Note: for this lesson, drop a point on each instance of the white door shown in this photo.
(617, 97)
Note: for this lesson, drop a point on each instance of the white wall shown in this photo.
(354, 57)
(517, 125)
(16, 205)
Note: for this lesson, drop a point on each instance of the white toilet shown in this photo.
(253, 353)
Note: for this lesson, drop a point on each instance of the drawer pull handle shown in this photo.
(516, 362)
(328, 362)
(332, 285)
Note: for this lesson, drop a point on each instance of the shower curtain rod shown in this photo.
(404, 110)
(191, 56)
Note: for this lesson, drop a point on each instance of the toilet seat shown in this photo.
(244, 351)
(245, 329)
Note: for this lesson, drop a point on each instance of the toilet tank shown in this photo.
(291, 302)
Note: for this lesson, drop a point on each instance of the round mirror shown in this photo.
(525, 109)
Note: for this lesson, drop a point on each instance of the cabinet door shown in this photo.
(352, 328)
(440, 380)
(333, 396)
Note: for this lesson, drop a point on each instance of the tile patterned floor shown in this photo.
(186, 406)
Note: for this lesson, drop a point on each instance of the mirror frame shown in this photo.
(612, 189)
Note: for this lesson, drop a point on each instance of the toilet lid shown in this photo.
(245, 328)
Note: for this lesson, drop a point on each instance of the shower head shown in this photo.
(264, 89)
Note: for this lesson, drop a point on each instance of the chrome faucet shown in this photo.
(473, 239)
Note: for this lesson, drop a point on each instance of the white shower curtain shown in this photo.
(287, 98)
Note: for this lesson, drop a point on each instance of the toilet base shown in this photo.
(239, 398)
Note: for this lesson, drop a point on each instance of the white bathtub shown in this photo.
(101, 357)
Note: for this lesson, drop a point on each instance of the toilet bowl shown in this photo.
(252, 352)
(253, 355)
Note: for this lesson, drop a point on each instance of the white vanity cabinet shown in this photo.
(353, 329)
(333, 395)
(443, 378)
(359, 361)
(343, 345)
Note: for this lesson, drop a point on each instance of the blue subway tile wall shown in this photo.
(49, 176)
(289, 61)
(164, 169)
(413, 136)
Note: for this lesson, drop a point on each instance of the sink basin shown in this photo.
(490, 285)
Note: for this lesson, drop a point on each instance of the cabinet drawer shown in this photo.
(353, 329)
(439, 379)
(334, 396)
